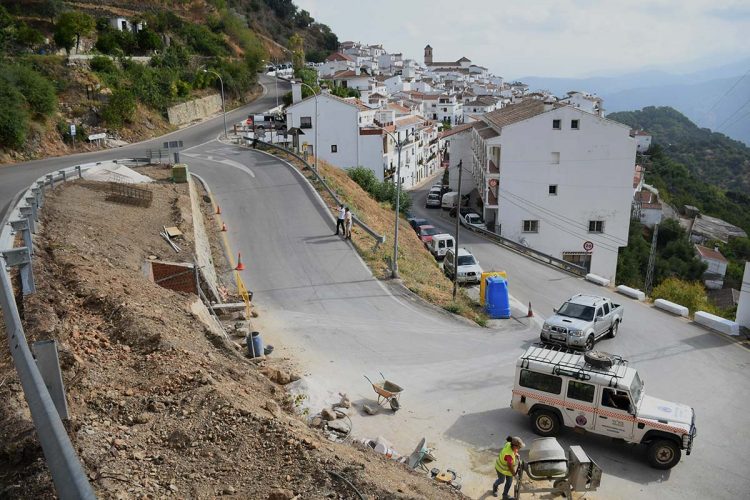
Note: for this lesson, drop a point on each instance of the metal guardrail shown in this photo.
(67, 473)
(563, 265)
(379, 238)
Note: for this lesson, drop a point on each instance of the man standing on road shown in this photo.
(506, 465)
(348, 224)
(340, 221)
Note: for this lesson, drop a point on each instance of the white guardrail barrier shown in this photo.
(46, 408)
(717, 323)
(633, 293)
(672, 307)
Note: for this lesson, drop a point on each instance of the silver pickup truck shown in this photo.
(582, 321)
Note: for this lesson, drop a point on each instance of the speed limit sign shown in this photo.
(588, 245)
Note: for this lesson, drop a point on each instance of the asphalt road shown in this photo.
(17, 176)
(320, 305)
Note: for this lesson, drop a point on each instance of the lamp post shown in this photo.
(223, 108)
(316, 122)
(399, 145)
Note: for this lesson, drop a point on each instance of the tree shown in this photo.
(37, 91)
(303, 19)
(73, 24)
(148, 40)
(14, 120)
(51, 9)
(28, 37)
(296, 45)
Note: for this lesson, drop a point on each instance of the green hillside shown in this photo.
(713, 157)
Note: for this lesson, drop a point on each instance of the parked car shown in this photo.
(469, 270)
(433, 200)
(415, 222)
(472, 219)
(582, 321)
(426, 233)
(603, 394)
(449, 200)
(440, 244)
(464, 210)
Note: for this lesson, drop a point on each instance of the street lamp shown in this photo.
(399, 145)
(316, 122)
(223, 108)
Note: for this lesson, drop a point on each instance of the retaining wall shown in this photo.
(202, 246)
(194, 110)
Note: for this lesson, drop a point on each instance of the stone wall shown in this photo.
(202, 246)
(194, 110)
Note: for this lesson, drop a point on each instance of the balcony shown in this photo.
(493, 168)
(491, 198)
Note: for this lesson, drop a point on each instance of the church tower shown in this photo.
(427, 55)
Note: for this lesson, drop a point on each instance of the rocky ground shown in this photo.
(163, 404)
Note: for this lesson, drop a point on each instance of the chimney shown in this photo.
(357, 70)
(548, 105)
(296, 92)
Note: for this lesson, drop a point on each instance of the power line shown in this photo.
(728, 91)
(732, 115)
(738, 119)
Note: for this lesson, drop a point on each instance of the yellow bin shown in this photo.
(483, 282)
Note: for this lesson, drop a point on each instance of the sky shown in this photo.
(562, 38)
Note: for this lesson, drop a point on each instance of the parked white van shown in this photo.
(440, 244)
(449, 200)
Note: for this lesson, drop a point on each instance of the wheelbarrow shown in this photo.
(387, 391)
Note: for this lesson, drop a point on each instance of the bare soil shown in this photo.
(162, 405)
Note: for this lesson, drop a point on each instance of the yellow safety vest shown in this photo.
(501, 465)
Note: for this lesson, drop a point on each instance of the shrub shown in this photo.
(203, 41)
(120, 108)
(381, 191)
(148, 40)
(690, 294)
(14, 120)
(37, 91)
(102, 64)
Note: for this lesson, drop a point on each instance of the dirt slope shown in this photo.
(162, 406)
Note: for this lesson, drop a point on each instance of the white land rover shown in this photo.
(599, 393)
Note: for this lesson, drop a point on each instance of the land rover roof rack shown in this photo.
(553, 355)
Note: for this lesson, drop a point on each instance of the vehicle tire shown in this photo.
(545, 423)
(663, 454)
(599, 359)
(590, 343)
(613, 330)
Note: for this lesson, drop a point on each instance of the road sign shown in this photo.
(588, 245)
(72, 130)
(94, 137)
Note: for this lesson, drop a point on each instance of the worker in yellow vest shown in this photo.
(506, 465)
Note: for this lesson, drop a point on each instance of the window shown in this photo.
(334, 148)
(581, 391)
(596, 226)
(305, 122)
(606, 308)
(553, 189)
(616, 399)
(574, 124)
(531, 226)
(556, 158)
(556, 124)
(599, 313)
(540, 381)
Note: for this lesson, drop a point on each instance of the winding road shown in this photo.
(320, 305)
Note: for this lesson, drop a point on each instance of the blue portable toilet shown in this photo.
(497, 300)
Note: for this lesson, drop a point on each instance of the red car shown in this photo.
(426, 233)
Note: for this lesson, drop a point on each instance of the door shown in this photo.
(579, 404)
(599, 321)
(614, 416)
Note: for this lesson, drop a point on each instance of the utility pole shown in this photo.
(455, 249)
(651, 261)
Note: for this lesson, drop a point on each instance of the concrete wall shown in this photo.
(194, 110)
(460, 150)
(743, 307)
(202, 246)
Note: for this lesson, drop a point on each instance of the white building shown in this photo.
(642, 140)
(713, 276)
(480, 106)
(336, 63)
(458, 143)
(553, 177)
(124, 24)
(585, 102)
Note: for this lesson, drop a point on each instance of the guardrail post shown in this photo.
(28, 213)
(39, 194)
(23, 226)
(45, 353)
(32, 201)
(80, 174)
(21, 257)
(64, 175)
(51, 178)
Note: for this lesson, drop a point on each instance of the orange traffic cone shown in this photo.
(218, 210)
(223, 227)
(530, 314)
(240, 265)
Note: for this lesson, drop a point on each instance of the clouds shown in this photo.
(548, 37)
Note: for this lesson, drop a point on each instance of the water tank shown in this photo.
(254, 345)
(497, 299)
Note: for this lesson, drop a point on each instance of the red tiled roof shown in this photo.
(338, 56)
(516, 113)
(455, 130)
(709, 253)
